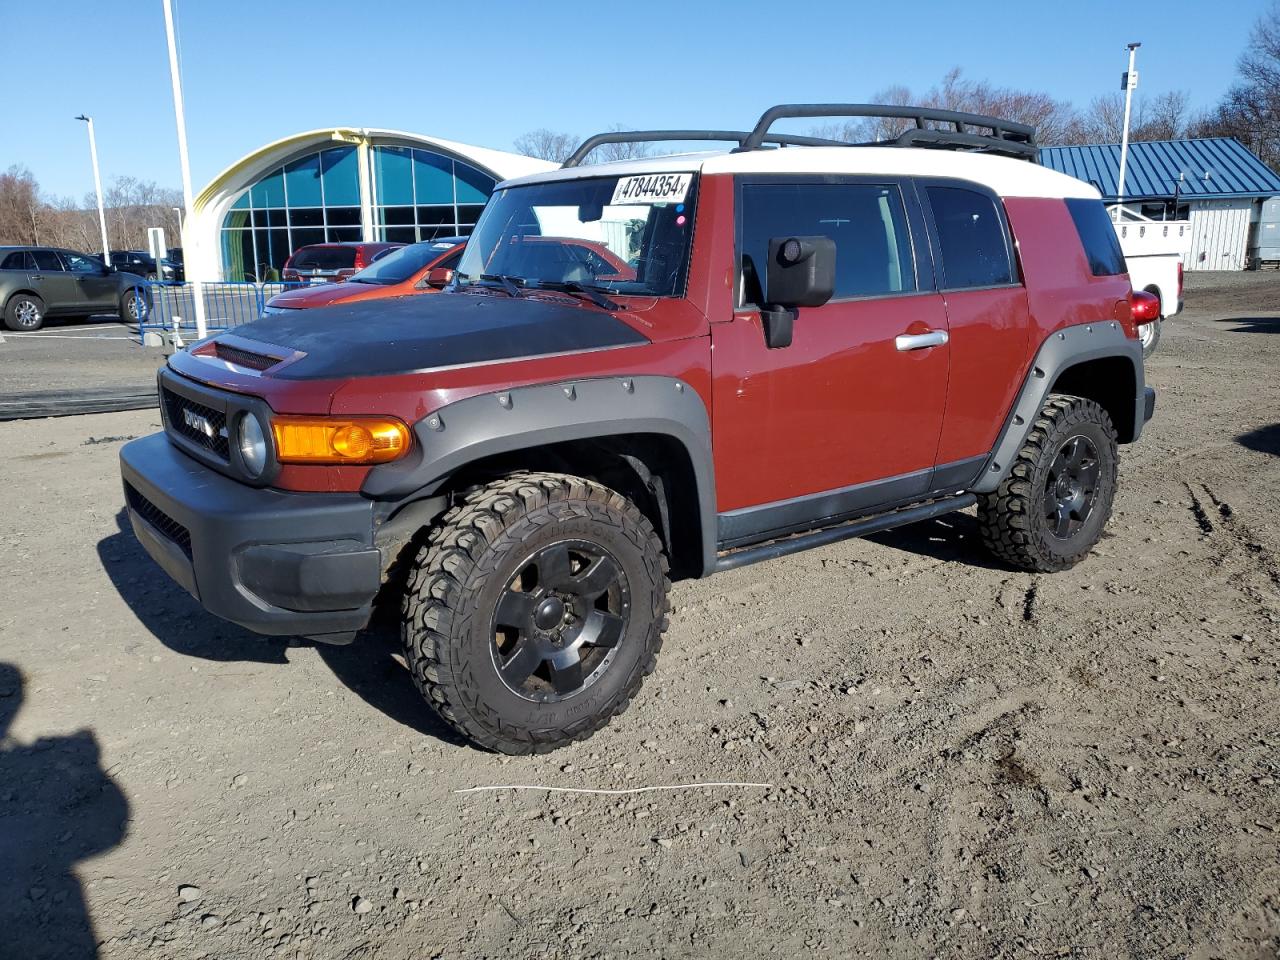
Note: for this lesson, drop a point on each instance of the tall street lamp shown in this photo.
(1128, 83)
(97, 186)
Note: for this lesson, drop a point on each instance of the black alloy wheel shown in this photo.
(534, 610)
(559, 621)
(1071, 487)
(1054, 500)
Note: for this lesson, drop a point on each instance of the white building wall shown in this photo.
(1219, 234)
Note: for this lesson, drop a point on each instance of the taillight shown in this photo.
(1144, 307)
(361, 262)
(1179, 278)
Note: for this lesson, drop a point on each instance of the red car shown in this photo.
(416, 268)
(806, 345)
(326, 262)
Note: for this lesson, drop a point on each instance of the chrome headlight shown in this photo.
(253, 445)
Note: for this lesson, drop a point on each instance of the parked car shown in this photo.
(141, 263)
(1153, 256)
(423, 267)
(41, 282)
(810, 344)
(327, 262)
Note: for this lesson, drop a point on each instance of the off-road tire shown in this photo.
(465, 565)
(19, 307)
(1149, 345)
(1012, 519)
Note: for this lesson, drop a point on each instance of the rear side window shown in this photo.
(46, 260)
(971, 232)
(1098, 236)
(866, 221)
(324, 258)
(19, 260)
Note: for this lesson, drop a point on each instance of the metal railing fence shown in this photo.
(226, 304)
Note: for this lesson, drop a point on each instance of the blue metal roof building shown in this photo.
(1216, 183)
(1212, 169)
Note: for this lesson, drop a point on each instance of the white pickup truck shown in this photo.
(1154, 249)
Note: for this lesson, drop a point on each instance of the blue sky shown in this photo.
(485, 73)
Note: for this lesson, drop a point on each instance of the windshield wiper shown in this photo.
(594, 294)
(508, 283)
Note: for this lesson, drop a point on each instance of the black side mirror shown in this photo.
(801, 272)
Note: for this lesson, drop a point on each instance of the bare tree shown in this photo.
(621, 151)
(1250, 110)
(546, 144)
(22, 212)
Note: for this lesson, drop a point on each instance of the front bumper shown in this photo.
(277, 563)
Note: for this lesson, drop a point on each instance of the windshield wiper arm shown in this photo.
(594, 294)
(507, 282)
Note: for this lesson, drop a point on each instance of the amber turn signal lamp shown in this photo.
(339, 439)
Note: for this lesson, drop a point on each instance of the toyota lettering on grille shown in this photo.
(198, 423)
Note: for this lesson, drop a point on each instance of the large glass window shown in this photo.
(866, 220)
(422, 195)
(418, 195)
(975, 245)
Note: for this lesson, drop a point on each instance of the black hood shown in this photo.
(403, 334)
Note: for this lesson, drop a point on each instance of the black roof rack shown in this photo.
(722, 136)
(999, 136)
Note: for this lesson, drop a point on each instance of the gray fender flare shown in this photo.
(1062, 350)
(477, 427)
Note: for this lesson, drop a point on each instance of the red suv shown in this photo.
(424, 267)
(807, 344)
(327, 262)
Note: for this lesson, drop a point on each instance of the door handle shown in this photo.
(920, 341)
(37, 276)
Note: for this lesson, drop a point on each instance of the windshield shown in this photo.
(401, 264)
(628, 235)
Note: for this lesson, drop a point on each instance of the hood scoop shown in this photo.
(247, 356)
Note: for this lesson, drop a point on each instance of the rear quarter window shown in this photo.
(1098, 237)
(974, 240)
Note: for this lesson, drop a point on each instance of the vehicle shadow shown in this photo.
(1264, 439)
(57, 808)
(369, 666)
(953, 538)
(1253, 324)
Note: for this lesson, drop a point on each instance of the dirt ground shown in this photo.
(963, 760)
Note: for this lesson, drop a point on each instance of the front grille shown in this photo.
(164, 523)
(201, 425)
(244, 358)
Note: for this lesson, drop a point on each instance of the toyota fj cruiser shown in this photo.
(812, 340)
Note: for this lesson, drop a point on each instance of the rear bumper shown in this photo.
(277, 563)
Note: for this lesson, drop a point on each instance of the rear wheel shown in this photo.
(1149, 335)
(24, 312)
(535, 611)
(135, 305)
(1049, 511)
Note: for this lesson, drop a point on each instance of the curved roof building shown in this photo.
(339, 184)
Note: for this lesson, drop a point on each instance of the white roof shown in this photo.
(1004, 175)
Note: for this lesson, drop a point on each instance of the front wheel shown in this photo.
(535, 611)
(1049, 511)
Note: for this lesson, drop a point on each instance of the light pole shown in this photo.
(97, 186)
(197, 291)
(1128, 83)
